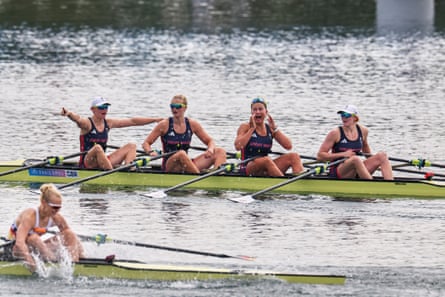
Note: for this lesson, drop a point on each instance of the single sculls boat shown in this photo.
(136, 270)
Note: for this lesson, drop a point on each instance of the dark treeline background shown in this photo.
(196, 14)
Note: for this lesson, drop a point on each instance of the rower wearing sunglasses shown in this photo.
(176, 135)
(27, 230)
(255, 138)
(350, 140)
(94, 136)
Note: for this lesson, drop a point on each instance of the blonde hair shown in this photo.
(47, 190)
(181, 97)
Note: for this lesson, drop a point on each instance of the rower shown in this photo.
(348, 141)
(176, 134)
(31, 224)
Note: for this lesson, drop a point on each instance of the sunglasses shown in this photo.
(177, 105)
(258, 100)
(102, 107)
(346, 115)
(54, 206)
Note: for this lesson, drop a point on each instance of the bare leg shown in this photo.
(380, 160)
(96, 158)
(289, 160)
(263, 166)
(352, 167)
(35, 243)
(217, 159)
(126, 154)
(180, 162)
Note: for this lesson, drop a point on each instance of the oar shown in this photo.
(102, 238)
(49, 160)
(428, 175)
(315, 170)
(420, 163)
(417, 162)
(226, 167)
(137, 162)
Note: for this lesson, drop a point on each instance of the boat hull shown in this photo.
(134, 270)
(347, 188)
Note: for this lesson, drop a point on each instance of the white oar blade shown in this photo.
(244, 199)
(157, 194)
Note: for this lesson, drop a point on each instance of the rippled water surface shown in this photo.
(385, 248)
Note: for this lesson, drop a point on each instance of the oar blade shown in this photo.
(155, 194)
(244, 199)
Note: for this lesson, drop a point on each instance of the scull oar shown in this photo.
(315, 170)
(136, 163)
(427, 175)
(419, 163)
(47, 161)
(227, 168)
(103, 238)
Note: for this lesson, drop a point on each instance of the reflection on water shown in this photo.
(222, 15)
(405, 16)
(175, 215)
(98, 206)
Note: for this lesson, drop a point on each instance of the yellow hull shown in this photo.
(123, 269)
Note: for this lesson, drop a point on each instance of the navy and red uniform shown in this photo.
(257, 146)
(87, 141)
(346, 144)
(173, 141)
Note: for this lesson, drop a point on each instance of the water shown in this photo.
(306, 72)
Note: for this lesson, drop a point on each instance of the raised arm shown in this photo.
(278, 135)
(135, 121)
(243, 135)
(83, 123)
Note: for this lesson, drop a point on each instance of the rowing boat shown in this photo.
(151, 176)
(135, 270)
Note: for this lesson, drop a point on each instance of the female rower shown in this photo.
(176, 135)
(347, 141)
(255, 138)
(32, 223)
(94, 136)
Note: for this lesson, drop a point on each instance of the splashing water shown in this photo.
(62, 269)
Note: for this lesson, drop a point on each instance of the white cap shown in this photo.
(349, 109)
(99, 101)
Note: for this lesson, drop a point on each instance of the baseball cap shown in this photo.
(99, 101)
(349, 109)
